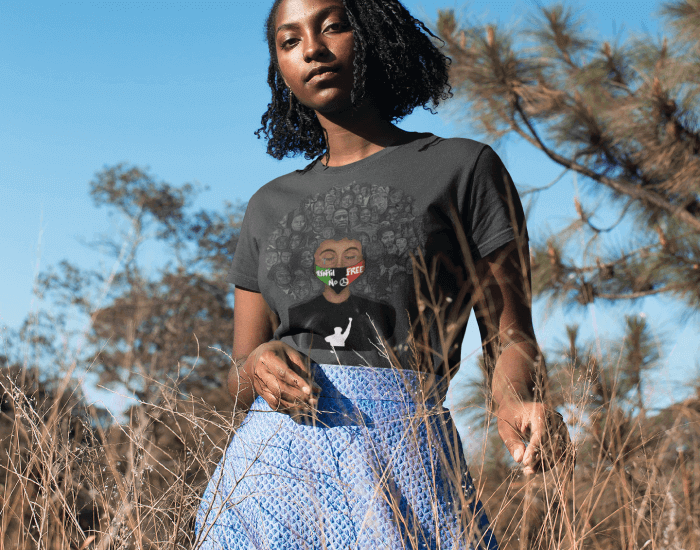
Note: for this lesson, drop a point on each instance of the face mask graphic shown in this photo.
(339, 277)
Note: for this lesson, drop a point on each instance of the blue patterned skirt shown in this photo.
(378, 466)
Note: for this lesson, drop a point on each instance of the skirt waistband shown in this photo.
(379, 384)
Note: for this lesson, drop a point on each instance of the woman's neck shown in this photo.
(357, 134)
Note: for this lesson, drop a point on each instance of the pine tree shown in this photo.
(624, 118)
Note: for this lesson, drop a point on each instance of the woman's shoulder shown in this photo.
(280, 183)
(431, 143)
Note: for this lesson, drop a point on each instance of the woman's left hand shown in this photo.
(541, 427)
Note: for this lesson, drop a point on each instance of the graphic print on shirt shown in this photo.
(337, 257)
(338, 338)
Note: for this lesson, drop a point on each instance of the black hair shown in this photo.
(396, 63)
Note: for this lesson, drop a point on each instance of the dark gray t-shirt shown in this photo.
(330, 249)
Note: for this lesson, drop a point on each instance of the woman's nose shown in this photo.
(315, 49)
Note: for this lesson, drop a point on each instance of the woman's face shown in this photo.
(315, 50)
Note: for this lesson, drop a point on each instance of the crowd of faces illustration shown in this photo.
(381, 218)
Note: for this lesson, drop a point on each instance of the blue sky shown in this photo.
(180, 87)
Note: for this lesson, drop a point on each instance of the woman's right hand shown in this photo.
(282, 377)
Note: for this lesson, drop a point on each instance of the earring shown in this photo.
(291, 95)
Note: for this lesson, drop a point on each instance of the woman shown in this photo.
(346, 444)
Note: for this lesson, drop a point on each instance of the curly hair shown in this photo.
(396, 63)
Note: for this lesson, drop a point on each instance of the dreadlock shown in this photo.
(396, 63)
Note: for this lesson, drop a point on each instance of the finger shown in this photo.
(294, 386)
(301, 368)
(294, 394)
(278, 368)
(294, 407)
(284, 403)
(285, 386)
(270, 384)
(558, 448)
(270, 397)
(533, 453)
(512, 440)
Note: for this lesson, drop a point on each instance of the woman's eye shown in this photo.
(338, 26)
(288, 42)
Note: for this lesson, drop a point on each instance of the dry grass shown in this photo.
(67, 484)
(636, 484)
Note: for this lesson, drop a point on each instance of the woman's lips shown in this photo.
(322, 74)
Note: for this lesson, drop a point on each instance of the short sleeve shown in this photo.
(244, 268)
(493, 214)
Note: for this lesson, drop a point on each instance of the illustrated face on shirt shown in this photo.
(319, 223)
(340, 219)
(307, 259)
(395, 196)
(282, 277)
(373, 216)
(301, 288)
(401, 245)
(380, 202)
(343, 253)
(387, 238)
(274, 236)
(339, 263)
(298, 223)
(271, 257)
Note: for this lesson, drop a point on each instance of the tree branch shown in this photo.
(640, 294)
(627, 189)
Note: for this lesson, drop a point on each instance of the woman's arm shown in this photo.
(262, 366)
(503, 311)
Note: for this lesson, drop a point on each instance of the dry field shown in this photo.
(67, 483)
